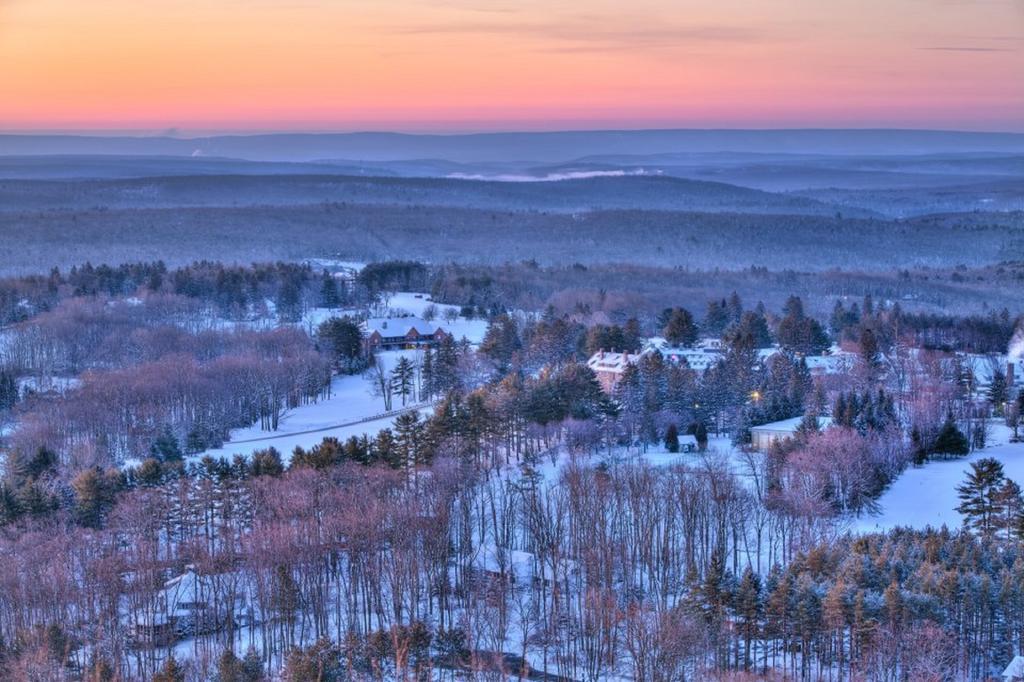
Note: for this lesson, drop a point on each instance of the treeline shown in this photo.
(233, 291)
(887, 324)
(633, 290)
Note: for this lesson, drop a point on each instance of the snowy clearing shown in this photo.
(352, 410)
(926, 496)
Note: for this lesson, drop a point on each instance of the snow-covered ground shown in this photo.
(352, 410)
(926, 496)
(720, 448)
(412, 303)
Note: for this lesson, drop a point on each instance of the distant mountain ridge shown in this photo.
(539, 147)
(647, 192)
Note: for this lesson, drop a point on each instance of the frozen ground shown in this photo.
(352, 410)
(719, 448)
(926, 496)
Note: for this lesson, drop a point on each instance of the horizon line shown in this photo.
(183, 134)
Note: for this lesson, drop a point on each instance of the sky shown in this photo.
(465, 65)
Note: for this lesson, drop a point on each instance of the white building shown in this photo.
(609, 367)
(762, 436)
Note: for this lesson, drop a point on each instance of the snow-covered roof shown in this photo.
(699, 358)
(790, 425)
(1014, 671)
(400, 326)
(840, 361)
(616, 363)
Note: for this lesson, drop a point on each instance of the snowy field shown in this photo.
(352, 410)
(926, 496)
(720, 448)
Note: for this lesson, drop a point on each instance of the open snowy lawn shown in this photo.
(656, 455)
(926, 496)
(286, 441)
(350, 411)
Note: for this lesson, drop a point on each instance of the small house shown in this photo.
(688, 443)
(764, 435)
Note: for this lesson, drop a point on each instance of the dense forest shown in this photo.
(688, 234)
(514, 529)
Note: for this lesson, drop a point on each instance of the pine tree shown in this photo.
(408, 435)
(165, 448)
(427, 389)
(329, 296)
(950, 441)
(342, 340)
(1011, 507)
(230, 668)
(749, 607)
(403, 379)
(869, 349)
(700, 432)
(835, 615)
(680, 329)
(8, 390)
(501, 342)
(672, 438)
(979, 496)
(997, 390)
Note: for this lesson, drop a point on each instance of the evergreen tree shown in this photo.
(997, 390)
(950, 441)
(408, 437)
(230, 668)
(289, 301)
(403, 378)
(342, 340)
(979, 496)
(869, 352)
(501, 342)
(165, 447)
(672, 438)
(749, 607)
(700, 432)
(8, 390)
(1011, 507)
(427, 381)
(680, 328)
(329, 296)
(95, 493)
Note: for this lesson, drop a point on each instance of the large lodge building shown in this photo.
(400, 333)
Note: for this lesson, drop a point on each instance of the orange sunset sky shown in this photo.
(455, 65)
